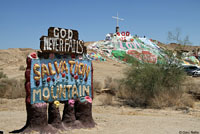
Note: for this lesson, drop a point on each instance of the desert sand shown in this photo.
(115, 119)
(111, 119)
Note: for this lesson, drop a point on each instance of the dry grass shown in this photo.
(112, 85)
(12, 88)
(107, 81)
(22, 68)
(133, 99)
(168, 99)
(97, 86)
(2, 75)
(106, 99)
(161, 100)
(192, 86)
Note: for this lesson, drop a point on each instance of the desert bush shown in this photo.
(22, 68)
(97, 86)
(154, 85)
(2, 75)
(107, 81)
(12, 88)
(111, 83)
(106, 99)
(170, 99)
(192, 86)
(114, 85)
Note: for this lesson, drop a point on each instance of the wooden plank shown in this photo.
(59, 32)
(51, 44)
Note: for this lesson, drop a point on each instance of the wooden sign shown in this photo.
(61, 40)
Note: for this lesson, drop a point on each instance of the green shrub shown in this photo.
(144, 83)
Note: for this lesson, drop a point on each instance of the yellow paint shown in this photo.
(52, 72)
(71, 65)
(44, 70)
(60, 91)
(56, 66)
(36, 72)
(64, 92)
(36, 92)
(52, 95)
(86, 90)
(64, 67)
(57, 103)
(76, 68)
(81, 69)
(45, 97)
(68, 90)
(74, 91)
(87, 72)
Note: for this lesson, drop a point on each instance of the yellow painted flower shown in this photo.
(57, 103)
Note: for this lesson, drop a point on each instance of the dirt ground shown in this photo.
(112, 119)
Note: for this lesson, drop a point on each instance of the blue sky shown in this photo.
(23, 22)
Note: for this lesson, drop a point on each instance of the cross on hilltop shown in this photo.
(117, 18)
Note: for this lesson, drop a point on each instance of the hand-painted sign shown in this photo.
(59, 79)
(60, 72)
(61, 40)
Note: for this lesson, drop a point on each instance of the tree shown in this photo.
(176, 36)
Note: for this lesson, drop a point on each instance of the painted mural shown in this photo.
(145, 56)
